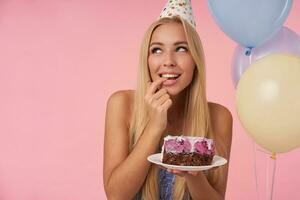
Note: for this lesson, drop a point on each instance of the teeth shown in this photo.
(169, 75)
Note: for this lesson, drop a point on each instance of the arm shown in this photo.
(200, 188)
(124, 173)
(198, 185)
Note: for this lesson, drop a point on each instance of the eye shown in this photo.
(181, 49)
(156, 50)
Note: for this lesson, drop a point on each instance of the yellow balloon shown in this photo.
(268, 102)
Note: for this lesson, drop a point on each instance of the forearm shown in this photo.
(129, 176)
(200, 188)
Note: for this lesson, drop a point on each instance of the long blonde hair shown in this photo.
(197, 118)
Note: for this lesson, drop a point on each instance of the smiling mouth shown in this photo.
(170, 76)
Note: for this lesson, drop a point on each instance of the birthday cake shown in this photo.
(187, 151)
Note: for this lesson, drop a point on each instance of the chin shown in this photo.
(173, 91)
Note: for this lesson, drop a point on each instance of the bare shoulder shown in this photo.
(221, 121)
(121, 97)
(122, 102)
(219, 112)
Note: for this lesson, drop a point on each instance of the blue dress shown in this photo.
(165, 185)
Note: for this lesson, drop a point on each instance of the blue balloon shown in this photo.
(250, 22)
(285, 41)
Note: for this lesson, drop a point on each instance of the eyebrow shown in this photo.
(176, 43)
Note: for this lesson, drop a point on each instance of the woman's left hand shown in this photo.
(182, 173)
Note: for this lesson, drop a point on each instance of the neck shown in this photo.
(176, 111)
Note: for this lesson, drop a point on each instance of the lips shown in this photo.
(171, 78)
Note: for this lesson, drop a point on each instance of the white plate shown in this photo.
(157, 159)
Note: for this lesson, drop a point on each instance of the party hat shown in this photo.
(181, 8)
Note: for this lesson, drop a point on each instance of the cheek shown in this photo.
(190, 76)
(189, 71)
(153, 65)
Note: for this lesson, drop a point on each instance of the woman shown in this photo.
(170, 99)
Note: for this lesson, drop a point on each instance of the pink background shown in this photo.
(60, 61)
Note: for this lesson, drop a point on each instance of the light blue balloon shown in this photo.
(250, 22)
(285, 41)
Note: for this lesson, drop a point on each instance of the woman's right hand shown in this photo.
(158, 102)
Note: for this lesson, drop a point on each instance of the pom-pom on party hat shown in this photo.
(181, 8)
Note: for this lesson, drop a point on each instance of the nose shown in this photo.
(169, 60)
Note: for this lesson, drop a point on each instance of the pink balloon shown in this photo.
(284, 41)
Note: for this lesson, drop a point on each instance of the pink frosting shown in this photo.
(202, 148)
(178, 145)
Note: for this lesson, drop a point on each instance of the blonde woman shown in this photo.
(170, 99)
